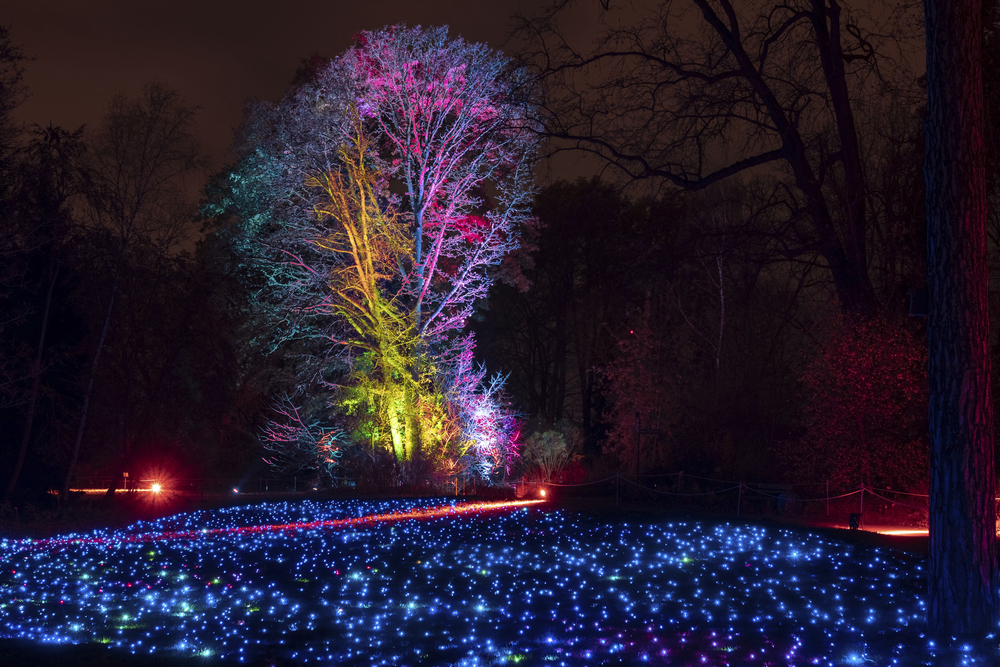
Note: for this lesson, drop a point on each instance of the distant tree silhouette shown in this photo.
(136, 168)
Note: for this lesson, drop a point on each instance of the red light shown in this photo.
(415, 513)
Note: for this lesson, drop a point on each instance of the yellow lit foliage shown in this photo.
(369, 241)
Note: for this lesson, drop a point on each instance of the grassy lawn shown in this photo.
(389, 582)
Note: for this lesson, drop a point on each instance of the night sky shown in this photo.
(216, 53)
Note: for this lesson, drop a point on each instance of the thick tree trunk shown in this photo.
(963, 570)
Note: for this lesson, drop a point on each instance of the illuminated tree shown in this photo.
(487, 426)
(447, 121)
(443, 414)
(451, 122)
(368, 242)
(301, 444)
(546, 453)
(454, 118)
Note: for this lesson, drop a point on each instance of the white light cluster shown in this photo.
(494, 586)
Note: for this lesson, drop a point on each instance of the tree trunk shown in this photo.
(396, 425)
(36, 383)
(962, 578)
(75, 455)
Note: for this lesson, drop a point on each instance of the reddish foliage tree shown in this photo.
(867, 408)
(641, 385)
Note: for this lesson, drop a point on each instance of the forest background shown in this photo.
(705, 313)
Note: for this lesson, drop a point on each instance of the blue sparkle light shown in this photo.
(324, 582)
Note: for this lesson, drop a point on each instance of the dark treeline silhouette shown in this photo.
(115, 349)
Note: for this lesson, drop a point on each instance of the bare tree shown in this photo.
(138, 163)
(456, 118)
(13, 92)
(12, 239)
(49, 179)
(693, 93)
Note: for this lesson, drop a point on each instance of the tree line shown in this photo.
(112, 358)
(697, 312)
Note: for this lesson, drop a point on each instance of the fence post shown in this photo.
(828, 497)
(295, 484)
(862, 517)
(739, 500)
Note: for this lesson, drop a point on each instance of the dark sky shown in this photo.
(216, 53)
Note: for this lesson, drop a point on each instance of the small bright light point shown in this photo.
(235, 490)
(542, 493)
(156, 487)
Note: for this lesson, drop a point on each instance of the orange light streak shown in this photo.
(415, 513)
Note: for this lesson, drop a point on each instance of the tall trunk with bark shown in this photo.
(963, 570)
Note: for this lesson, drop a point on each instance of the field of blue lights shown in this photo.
(430, 582)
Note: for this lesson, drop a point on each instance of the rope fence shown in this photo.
(783, 496)
(879, 500)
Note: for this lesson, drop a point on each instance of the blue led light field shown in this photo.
(311, 583)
